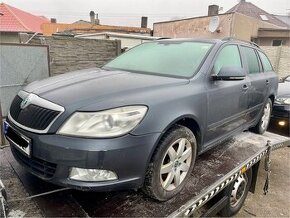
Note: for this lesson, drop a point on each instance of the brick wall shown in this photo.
(69, 54)
(280, 58)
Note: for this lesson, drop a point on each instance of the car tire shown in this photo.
(237, 193)
(264, 120)
(171, 164)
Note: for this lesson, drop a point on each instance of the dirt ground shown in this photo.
(15, 190)
(275, 204)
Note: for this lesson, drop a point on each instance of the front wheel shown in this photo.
(171, 164)
(264, 121)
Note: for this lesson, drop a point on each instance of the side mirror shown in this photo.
(230, 73)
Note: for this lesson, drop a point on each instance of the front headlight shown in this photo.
(282, 100)
(104, 124)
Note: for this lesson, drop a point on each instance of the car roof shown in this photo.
(189, 40)
(213, 41)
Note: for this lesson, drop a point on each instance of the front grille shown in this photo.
(40, 167)
(33, 116)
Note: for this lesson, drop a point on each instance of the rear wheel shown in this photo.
(237, 193)
(172, 164)
(264, 121)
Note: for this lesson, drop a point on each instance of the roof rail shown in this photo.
(233, 38)
(161, 38)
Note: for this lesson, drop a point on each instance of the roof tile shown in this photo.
(16, 20)
(251, 10)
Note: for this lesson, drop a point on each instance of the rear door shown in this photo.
(270, 76)
(258, 88)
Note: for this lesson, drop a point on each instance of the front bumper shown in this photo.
(53, 156)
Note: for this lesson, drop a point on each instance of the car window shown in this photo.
(169, 58)
(265, 61)
(229, 56)
(252, 60)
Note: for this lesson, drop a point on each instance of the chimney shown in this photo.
(144, 22)
(97, 20)
(92, 17)
(213, 10)
(52, 20)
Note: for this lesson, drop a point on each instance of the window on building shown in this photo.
(277, 42)
(264, 17)
(229, 56)
(265, 61)
(252, 60)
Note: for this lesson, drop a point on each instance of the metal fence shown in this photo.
(19, 65)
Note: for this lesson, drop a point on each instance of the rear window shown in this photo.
(265, 61)
(169, 58)
(252, 60)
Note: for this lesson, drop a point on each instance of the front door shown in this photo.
(227, 100)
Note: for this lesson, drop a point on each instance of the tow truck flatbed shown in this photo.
(213, 171)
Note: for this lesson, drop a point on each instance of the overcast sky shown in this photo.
(128, 12)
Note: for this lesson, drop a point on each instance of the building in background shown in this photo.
(92, 26)
(244, 21)
(284, 18)
(277, 35)
(14, 21)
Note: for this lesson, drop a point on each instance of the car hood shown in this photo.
(81, 88)
(284, 89)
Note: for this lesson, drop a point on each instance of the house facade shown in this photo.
(244, 21)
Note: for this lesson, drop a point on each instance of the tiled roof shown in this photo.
(82, 22)
(16, 20)
(249, 9)
(284, 18)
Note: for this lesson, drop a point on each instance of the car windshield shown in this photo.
(177, 59)
(287, 79)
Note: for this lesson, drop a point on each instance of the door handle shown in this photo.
(267, 82)
(245, 87)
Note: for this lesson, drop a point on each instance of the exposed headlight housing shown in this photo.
(282, 100)
(92, 175)
(104, 124)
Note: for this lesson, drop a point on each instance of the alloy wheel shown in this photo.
(266, 116)
(175, 164)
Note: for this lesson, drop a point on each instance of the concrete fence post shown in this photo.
(277, 58)
(118, 47)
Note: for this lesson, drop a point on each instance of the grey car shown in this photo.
(142, 119)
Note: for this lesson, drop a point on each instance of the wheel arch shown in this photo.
(272, 97)
(188, 121)
(193, 125)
